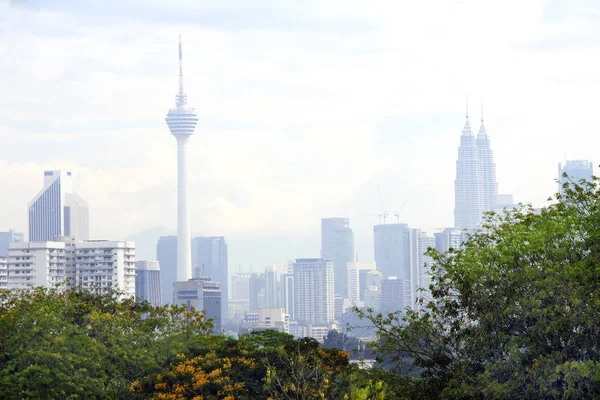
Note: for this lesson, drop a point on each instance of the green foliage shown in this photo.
(81, 345)
(514, 311)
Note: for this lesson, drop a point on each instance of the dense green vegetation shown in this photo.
(78, 345)
(515, 314)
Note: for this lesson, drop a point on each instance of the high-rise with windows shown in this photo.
(202, 294)
(209, 258)
(392, 250)
(337, 245)
(475, 187)
(166, 254)
(147, 282)
(576, 170)
(487, 166)
(57, 210)
(313, 291)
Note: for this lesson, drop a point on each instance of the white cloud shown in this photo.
(304, 109)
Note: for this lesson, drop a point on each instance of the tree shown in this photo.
(514, 312)
(77, 344)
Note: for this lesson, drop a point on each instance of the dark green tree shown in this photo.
(514, 312)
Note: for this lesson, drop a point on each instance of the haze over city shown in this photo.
(305, 111)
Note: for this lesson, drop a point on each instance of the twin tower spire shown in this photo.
(475, 187)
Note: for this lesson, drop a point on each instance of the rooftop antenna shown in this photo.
(467, 106)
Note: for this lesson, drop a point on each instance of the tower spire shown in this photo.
(467, 112)
(181, 97)
(482, 111)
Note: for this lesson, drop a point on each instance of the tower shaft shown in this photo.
(184, 261)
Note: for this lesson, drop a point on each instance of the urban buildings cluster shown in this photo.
(305, 297)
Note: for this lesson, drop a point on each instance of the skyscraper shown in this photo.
(202, 294)
(337, 245)
(271, 297)
(57, 210)
(209, 258)
(576, 170)
(468, 186)
(475, 187)
(313, 291)
(392, 250)
(166, 254)
(147, 282)
(181, 121)
(420, 265)
(487, 167)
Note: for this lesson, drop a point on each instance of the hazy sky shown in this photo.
(305, 107)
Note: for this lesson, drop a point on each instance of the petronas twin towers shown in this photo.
(475, 187)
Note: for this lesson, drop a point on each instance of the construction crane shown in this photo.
(385, 214)
(397, 213)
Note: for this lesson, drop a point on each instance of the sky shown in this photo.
(307, 109)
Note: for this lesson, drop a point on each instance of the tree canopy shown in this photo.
(515, 311)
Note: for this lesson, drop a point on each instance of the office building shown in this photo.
(7, 238)
(258, 286)
(394, 293)
(449, 238)
(287, 294)
(468, 186)
(272, 300)
(209, 258)
(487, 167)
(337, 245)
(182, 121)
(313, 291)
(202, 294)
(475, 187)
(392, 250)
(166, 254)
(357, 280)
(266, 318)
(420, 266)
(240, 286)
(57, 210)
(576, 170)
(147, 282)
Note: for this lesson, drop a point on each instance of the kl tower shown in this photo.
(181, 121)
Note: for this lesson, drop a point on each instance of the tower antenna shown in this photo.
(482, 111)
(180, 68)
(467, 106)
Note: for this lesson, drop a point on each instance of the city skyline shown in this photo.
(92, 110)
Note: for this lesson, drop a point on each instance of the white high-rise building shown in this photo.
(93, 265)
(102, 264)
(271, 297)
(3, 271)
(313, 291)
(420, 265)
(182, 121)
(357, 280)
(33, 264)
(57, 210)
